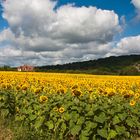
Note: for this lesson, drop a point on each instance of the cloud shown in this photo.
(30, 17)
(123, 22)
(76, 25)
(136, 3)
(127, 45)
(41, 34)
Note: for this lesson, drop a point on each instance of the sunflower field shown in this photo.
(53, 106)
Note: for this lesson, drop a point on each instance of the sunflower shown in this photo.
(17, 110)
(77, 93)
(137, 95)
(3, 85)
(18, 87)
(59, 91)
(8, 86)
(37, 90)
(55, 109)
(61, 109)
(43, 98)
(24, 87)
(132, 102)
(75, 87)
(127, 95)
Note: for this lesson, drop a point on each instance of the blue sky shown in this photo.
(3, 22)
(36, 34)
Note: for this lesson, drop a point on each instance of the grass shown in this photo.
(6, 134)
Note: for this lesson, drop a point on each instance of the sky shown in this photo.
(49, 32)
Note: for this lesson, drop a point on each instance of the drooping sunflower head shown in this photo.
(127, 95)
(76, 93)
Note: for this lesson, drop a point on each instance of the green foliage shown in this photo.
(80, 118)
(7, 105)
(7, 68)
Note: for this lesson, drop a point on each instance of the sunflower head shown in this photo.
(37, 90)
(18, 87)
(55, 109)
(24, 87)
(77, 93)
(3, 85)
(127, 95)
(61, 109)
(132, 102)
(75, 87)
(8, 86)
(137, 95)
(17, 110)
(61, 91)
(43, 98)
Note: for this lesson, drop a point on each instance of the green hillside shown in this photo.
(115, 65)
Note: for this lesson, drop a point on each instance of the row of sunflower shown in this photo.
(72, 106)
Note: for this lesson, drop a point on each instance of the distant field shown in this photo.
(70, 106)
(46, 83)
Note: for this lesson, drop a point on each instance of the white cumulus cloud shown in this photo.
(136, 3)
(40, 34)
(127, 45)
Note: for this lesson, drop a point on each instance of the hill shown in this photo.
(114, 65)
